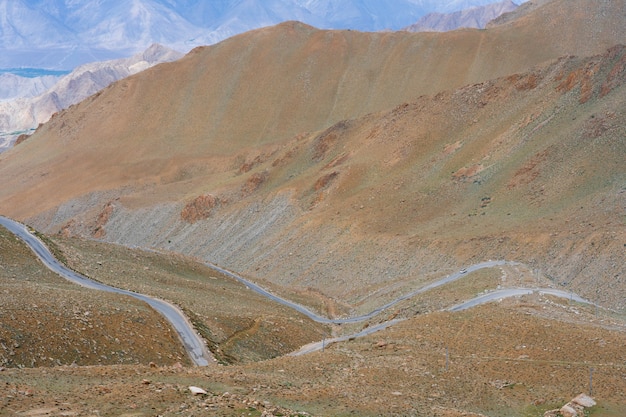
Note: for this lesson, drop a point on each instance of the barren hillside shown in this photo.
(517, 357)
(358, 164)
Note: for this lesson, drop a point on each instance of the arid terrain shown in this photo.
(341, 170)
(518, 357)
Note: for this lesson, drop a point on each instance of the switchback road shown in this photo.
(371, 314)
(476, 301)
(196, 347)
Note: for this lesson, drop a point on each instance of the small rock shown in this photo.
(584, 400)
(197, 390)
(145, 381)
(396, 393)
(568, 411)
(152, 365)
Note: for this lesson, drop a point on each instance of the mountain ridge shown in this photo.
(63, 34)
(342, 170)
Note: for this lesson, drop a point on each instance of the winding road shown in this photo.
(196, 348)
(320, 319)
(194, 345)
(481, 299)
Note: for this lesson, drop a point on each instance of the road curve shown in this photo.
(194, 345)
(482, 299)
(476, 301)
(316, 346)
(357, 319)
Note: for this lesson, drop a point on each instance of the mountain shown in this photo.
(474, 17)
(345, 161)
(522, 10)
(63, 34)
(24, 113)
(14, 86)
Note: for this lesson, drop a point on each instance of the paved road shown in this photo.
(515, 292)
(316, 346)
(481, 299)
(194, 345)
(371, 314)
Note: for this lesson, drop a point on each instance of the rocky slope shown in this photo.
(65, 350)
(46, 321)
(357, 164)
(502, 361)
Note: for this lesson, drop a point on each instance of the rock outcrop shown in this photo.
(574, 408)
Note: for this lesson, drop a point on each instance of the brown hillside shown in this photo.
(357, 164)
(46, 321)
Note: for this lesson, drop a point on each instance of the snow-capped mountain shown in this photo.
(62, 34)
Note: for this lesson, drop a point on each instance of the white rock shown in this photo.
(197, 390)
(25, 113)
(584, 400)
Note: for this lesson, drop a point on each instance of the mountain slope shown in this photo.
(82, 326)
(14, 86)
(289, 153)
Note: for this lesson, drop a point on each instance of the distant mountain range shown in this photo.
(27, 102)
(62, 34)
(474, 17)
